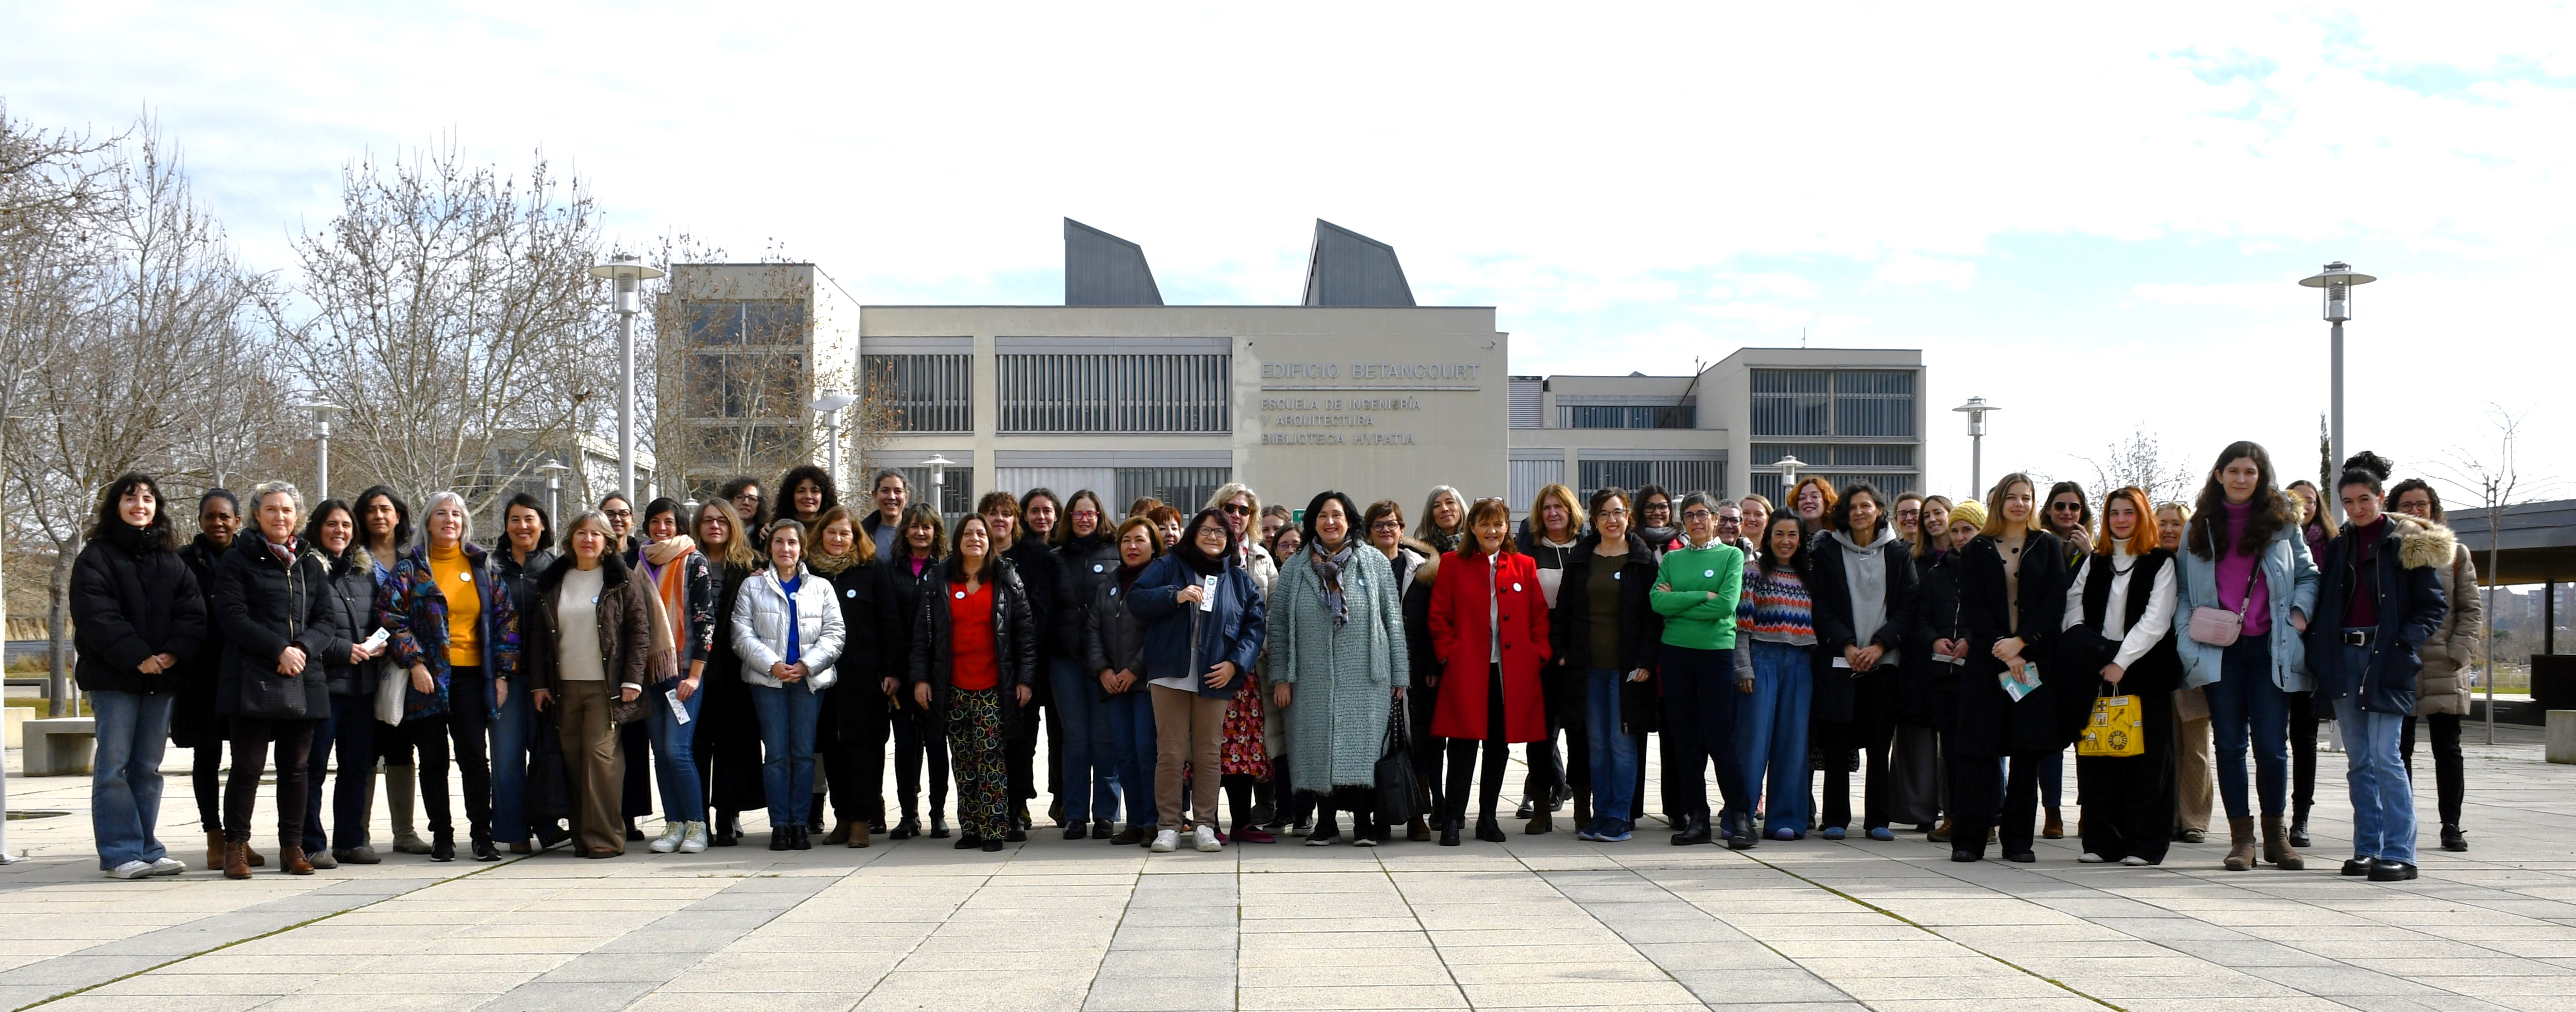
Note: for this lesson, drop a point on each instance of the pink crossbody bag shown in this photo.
(2219, 627)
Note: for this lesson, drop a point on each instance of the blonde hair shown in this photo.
(1574, 510)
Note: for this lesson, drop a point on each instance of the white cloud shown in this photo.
(1907, 268)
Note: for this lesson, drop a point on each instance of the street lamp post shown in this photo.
(938, 466)
(2337, 279)
(830, 406)
(1976, 409)
(629, 274)
(322, 410)
(553, 470)
(1789, 466)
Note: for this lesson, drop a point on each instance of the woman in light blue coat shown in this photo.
(2245, 560)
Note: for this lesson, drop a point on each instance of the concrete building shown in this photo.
(746, 347)
(1848, 414)
(1354, 388)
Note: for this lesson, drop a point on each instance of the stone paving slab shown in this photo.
(1540, 921)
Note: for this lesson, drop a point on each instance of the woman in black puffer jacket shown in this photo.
(1114, 653)
(974, 663)
(136, 616)
(271, 600)
(1086, 781)
(349, 669)
(905, 578)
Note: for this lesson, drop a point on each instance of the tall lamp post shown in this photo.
(830, 406)
(2337, 279)
(322, 410)
(630, 275)
(1788, 466)
(1976, 409)
(553, 470)
(938, 466)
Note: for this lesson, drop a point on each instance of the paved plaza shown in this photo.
(1546, 921)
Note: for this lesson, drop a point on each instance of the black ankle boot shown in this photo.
(1449, 832)
(2299, 828)
(1694, 831)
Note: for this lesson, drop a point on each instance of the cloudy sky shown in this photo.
(2094, 216)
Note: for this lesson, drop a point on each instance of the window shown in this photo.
(1527, 392)
(1115, 393)
(1616, 416)
(745, 321)
(1186, 489)
(1892, 483)
(1836, 454)
(956, 496)
(1529, 476)
(745, 384)
(1679, 476)
(926, 393)
(1833, 402)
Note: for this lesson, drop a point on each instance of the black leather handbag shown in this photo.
(1399, 797)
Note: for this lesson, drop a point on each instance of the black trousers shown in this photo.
(1428, 751)
(1462, 759)
(2130, 802)
(916, 739)
(467, 727)
(855, 764)
(1974, 788)
(2448, 775)
(1555, 771)
(206, 774)
(1700, 700)
(635, 743)
(251, 738)
(1020, 753)
(2303, 752)
(1838, 739)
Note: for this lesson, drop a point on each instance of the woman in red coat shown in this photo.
(1489, 623)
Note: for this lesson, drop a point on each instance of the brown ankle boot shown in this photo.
(256, 861)
(236, 859)
(214, 849)
(290, 859)
(2240, 843)
(2055, 827)
(2276, 846)
(1418, 829)
(859, 833)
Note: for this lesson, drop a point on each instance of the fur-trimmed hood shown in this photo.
(2422, 543)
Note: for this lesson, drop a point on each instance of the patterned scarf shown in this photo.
(1328, 567)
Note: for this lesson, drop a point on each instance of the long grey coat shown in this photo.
(1342, 678)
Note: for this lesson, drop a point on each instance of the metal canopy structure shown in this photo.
(1104, 270)
(2536, 543)
(1345, 268)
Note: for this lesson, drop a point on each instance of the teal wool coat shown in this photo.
(1342, 680)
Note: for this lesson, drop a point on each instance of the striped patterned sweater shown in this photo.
(1774, 607)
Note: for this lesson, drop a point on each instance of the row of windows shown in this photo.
(1833, 402)
(753, 384)
(1184, 488)
(744, 321)
(1767, 484)
(1836, 454)
(1061, 393)
(1625, 416)
(1676, 476)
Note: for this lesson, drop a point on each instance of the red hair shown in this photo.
(2142, 538)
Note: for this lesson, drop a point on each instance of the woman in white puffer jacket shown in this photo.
(787, 629)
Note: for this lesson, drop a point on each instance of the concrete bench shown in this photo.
(11, 717)
(60, 746)
(2562, 736)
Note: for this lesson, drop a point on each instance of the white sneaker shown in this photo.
(131, 870)
(1206, 837)
(693, 838)
(2134, 861)
(2091, 858)
(672, 833)
(169, 866)
(1167, 841)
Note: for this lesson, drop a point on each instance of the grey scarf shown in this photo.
(1328, 567)
(1865, 569)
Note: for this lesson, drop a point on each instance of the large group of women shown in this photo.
(1297, 665)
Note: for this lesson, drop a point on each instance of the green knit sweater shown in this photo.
(1692, 618)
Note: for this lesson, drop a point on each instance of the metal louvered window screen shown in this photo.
(1833, 402)
(956, 493)
(1678, 476)
(927, 393)
(1182, 488)
(1115, 393)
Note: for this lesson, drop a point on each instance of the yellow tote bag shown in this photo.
(2117, 730)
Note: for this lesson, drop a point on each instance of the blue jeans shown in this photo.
(1088, 779)
(787, 717)
(2383, 800)
(512, 726)
(1130, 719)
(2243, 704)
(675, 764)
(2052, 778)
(352, 725)
(125, 775)
(1611, 752)
(1771, 735)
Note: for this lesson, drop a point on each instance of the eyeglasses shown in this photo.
(1656, 507)
(617, 514)
(1696, 514)
(746, 497)
(1612, 512)
(1086, 514)
(1387, 525)
(1237, 509)
(2067, 507)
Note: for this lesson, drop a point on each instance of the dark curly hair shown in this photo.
(798, 475)
(2399, 490)
(160, 535)
(1838, 517)
(2366, 469)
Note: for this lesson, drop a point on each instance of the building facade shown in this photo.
(744, 349)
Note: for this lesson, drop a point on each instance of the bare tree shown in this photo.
(2494, 481)
(2139, 460)
(140, 324)
(731, 344)
(451, 309)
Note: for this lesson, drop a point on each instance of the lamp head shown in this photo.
(2337, 279)
(629, 273)
(1976, 409)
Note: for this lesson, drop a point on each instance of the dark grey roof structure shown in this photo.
(1346, 268)
(2538, 541)
(1103, 270)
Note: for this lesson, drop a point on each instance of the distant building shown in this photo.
(757, 343)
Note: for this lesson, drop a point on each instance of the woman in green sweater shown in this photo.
(1695, 591)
